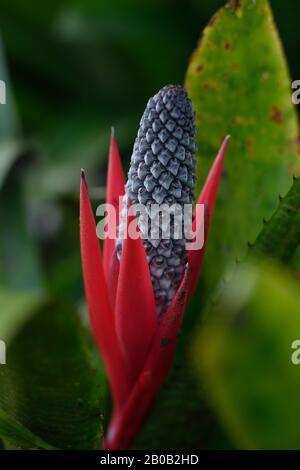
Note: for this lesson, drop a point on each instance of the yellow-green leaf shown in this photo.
(239, 84)
(243, 355)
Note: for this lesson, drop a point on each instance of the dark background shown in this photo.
(77, 68)
(73, 70)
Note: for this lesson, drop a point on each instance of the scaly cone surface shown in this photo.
(162, 173)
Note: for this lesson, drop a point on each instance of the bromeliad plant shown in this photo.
(138, 292)
(134, 298)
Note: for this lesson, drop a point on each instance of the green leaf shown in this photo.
(280, 236)
(16, 310)
(243, 356)
(239, 84)
(49, 393)
(14, 431)
(10, 147)
(9, 125)
(180, 418)
(20, 268)
(19, 260)
(10, 152)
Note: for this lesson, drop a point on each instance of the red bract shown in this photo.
(136, 346)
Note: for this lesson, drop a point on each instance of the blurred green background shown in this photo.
(74, 69)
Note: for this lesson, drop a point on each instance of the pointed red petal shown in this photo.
(113, 279)
(196, 257)
(135, 311)
(126, 425)
(101, 316)
(115, 189)
(210, 188)
(208, 197)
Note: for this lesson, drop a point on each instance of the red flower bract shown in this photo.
(136, 346)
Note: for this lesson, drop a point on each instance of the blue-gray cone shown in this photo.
(162, 173)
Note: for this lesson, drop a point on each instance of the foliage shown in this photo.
(72, 70)
(244, 354)
(239, 84)
(49, 389)
(281, 234)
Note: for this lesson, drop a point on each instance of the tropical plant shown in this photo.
(231, 381)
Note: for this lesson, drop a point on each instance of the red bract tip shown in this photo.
(114, 190)
(208, 197)
(101, 315)
(211, 186)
